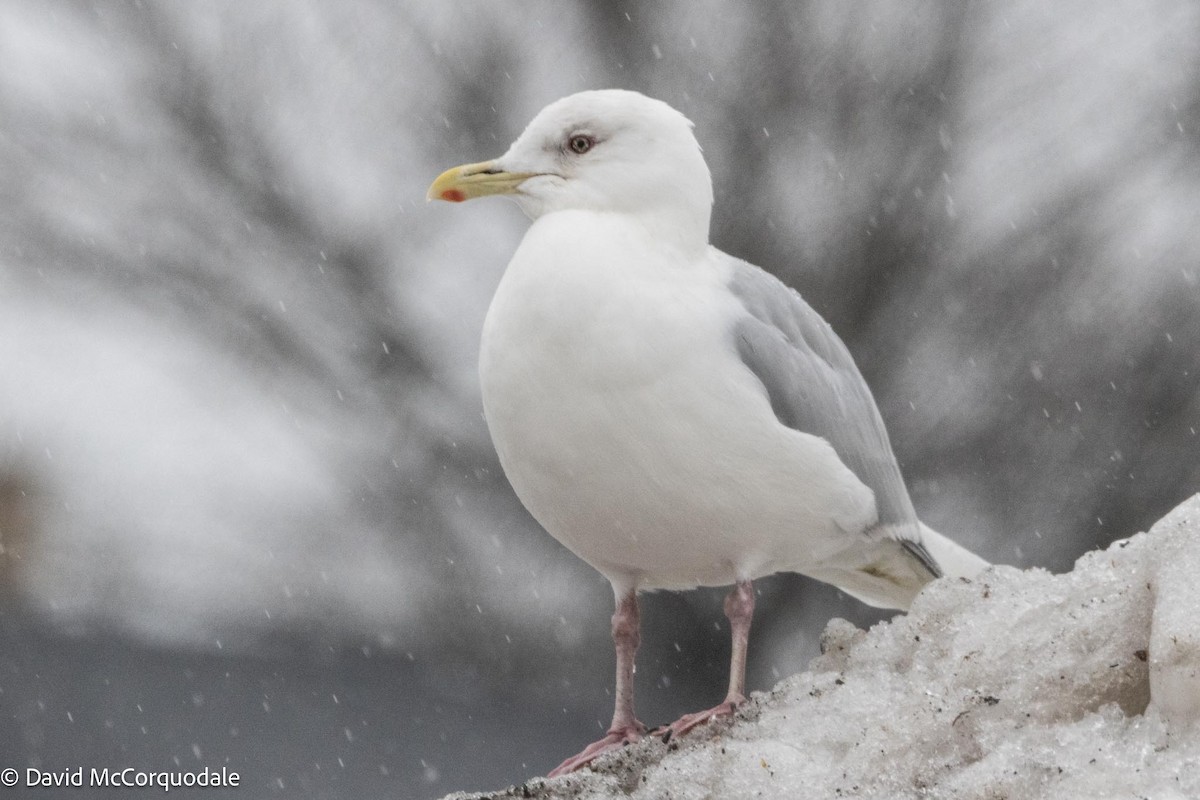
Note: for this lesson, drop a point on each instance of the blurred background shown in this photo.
(249, 510)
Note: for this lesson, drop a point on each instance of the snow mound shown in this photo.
(1018, 684)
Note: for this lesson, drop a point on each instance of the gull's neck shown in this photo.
(680, 228)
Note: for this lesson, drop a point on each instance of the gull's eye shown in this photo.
(580, 143)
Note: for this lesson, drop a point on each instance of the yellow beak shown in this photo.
(475, 180)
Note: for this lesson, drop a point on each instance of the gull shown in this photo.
(676, 416)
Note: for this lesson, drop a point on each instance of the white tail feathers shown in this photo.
(955, 560)
(888, 574)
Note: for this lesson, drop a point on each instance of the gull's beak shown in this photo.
(475, 180)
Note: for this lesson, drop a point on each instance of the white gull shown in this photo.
(675, 416)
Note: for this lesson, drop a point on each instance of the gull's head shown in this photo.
(609, 151)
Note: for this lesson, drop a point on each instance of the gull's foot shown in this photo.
(615, 740)
(689, 721)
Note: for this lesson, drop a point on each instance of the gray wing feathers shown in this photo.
(918, 551)
(815, 387)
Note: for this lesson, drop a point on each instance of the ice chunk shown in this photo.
(1175, 631)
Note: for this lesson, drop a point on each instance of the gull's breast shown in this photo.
(629, 428)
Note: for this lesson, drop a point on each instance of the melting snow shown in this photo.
(1019, 684)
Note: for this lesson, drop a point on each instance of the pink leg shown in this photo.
(739, 610)
(625, 727)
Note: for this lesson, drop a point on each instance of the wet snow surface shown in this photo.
(1020, 684)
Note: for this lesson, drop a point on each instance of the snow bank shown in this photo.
(1019, 684)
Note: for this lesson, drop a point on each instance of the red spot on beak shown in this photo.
(453, 195)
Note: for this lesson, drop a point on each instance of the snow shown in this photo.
(1018, 684)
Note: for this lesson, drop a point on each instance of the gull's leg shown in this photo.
(625, 727)
(739, 610)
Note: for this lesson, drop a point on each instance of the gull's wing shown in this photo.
(815, 387)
